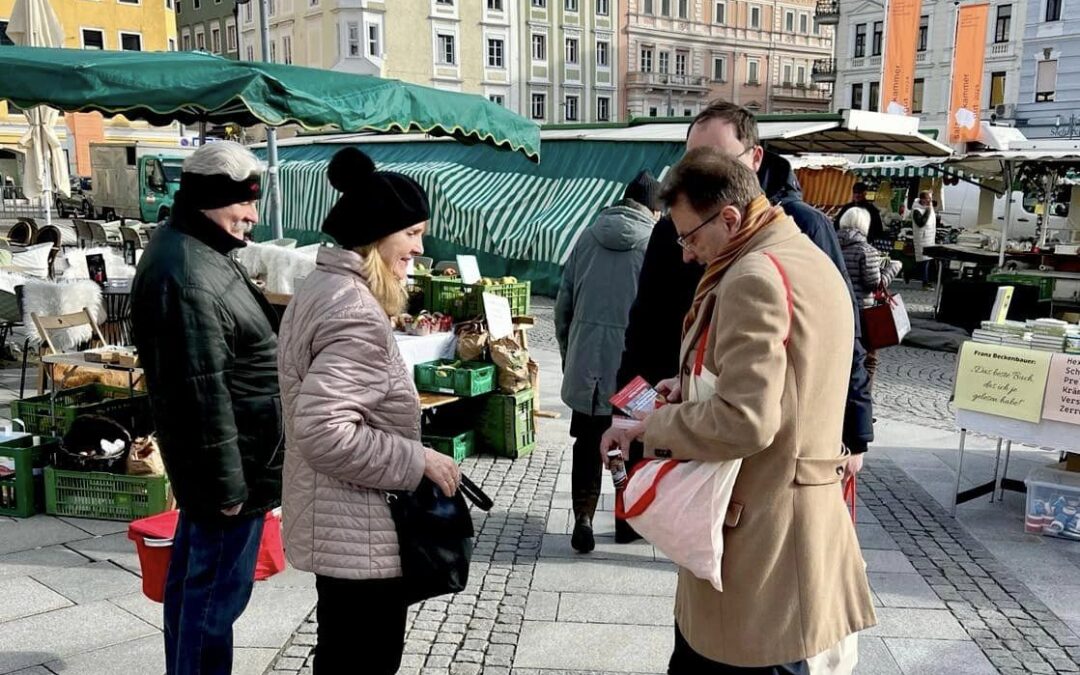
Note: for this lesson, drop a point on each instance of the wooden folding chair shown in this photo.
(47, 325)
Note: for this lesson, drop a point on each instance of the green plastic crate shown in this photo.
(107, 496)
(458, 446)
(519, 295)
(444, 295)
(506, 424)
(41, 416)
(1045, 285)
(467, 378)
(23, 494)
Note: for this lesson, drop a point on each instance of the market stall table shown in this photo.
(76, 360)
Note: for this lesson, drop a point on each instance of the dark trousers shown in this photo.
(587, 431)
(685, 661)
(211, 574)
(361, 626)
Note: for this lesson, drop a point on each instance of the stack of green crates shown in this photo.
(519, 295)
(43, 415)
(444, 295)
(506, 424)
(1045, 285)
(107, 496)
(458, 446)
(460, 378)
(22, 494)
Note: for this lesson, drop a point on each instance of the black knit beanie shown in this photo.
(373, 204)
(644, 190)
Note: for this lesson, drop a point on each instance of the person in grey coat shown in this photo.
(865, 265)
(591, 314)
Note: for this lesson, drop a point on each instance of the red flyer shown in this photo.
(638, 396)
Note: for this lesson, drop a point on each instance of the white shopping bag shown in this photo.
(680, 507)
(900, 317)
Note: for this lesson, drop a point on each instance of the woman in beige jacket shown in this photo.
(793, 576)
(352, 418)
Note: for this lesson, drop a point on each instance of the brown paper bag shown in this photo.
(145, 458)
(512, 363)
(472, 341)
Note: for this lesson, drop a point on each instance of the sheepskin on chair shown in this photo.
(280, 266)
(52, 298)
(73, 263)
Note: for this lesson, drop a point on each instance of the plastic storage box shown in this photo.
(458, 446)
(108, 496)
(22, 474)
(1053, 502)
(41, 415)
(506, 424)
(518, 294)
(444, 295)
(460, 378)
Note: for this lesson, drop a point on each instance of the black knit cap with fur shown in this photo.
(373, 204)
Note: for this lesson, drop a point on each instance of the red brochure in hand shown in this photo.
(638, 396)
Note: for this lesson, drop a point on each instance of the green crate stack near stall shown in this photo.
(22, 474)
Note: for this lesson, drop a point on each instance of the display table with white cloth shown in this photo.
(425, 348)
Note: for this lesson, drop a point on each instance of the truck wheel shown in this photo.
(108, 214)
(60, 209)
(88, 209)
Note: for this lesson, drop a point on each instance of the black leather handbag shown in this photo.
(435, 537)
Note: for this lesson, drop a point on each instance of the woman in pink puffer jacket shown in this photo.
(352, 417)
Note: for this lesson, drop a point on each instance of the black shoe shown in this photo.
(582, 540)
(624, 534)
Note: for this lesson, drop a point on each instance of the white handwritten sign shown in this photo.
(1062, 401)
(1003, 381)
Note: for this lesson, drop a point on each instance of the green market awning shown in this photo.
(194, 87)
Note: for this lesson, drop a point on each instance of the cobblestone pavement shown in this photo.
(477, 630)
(1013, 628)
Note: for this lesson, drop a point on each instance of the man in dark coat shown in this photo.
(207, 339)
(858, 199)
(666, 287)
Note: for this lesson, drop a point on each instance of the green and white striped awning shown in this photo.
(522, 218)
(897, 167)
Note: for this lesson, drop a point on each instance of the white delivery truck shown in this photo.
(135, 180)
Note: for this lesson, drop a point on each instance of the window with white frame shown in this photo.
(200, 40)
(602, 47)
(539, 105)
(179, 7)
(572, 51)
(196, 4)
(804, 23)
(681, 58)
(663, 62)
(445, 2)
(250, 53)
(248, 16)
(495, 57)
(1046, 75)
(131, 42)
(665, 7)
(800, 75)
(570, 5)
(374, 40)
(447, 49)
(128, 2)
(603, 109)
(539, 47)
(647, 7)
(353, 38)
(273, 51)
(720, 12)
(185, 42)
(755, 16)
(271, 7)
(789, 21)
(684, 9)
(788, 70)
(172, 45)
(286, 49)
(603, 7)
(215, 39)
(539, 3)
(652, 111)
(497, 99)
(646, 59)
(230, 37)
(571, 108)
(169, 4)
(495, 6)
(719, 69)
(93, 38)
(753, 71)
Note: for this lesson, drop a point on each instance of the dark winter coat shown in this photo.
(666, 290)
(593, 306)
(207, 339)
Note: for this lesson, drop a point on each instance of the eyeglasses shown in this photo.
(684, 239)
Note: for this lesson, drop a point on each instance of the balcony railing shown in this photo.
(827, 12)
(801, 91)
(824, 70)
(667, 80)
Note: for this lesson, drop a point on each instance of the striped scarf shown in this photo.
(759, 215)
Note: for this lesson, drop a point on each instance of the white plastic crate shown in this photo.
(1053, 502)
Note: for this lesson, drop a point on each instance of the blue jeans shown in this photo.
(211, 575)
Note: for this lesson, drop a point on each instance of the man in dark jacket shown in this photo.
(858, 199)
(598, 285)
(666, 288)
(207, 341)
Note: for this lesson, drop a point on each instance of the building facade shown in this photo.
(209, 26)
(1049, 98)
(860, 46)
(677, 55)
(134, 25)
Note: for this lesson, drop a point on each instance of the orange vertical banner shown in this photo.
(968, 57)
(901, 41)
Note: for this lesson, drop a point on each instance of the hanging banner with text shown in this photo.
(1002, 381)
(1063, 389)
(898, 69)
(968, 58)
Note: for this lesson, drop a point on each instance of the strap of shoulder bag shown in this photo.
(787, 291)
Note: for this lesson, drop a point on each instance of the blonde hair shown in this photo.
(387, 288)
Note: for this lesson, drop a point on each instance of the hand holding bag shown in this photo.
(435, 537)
